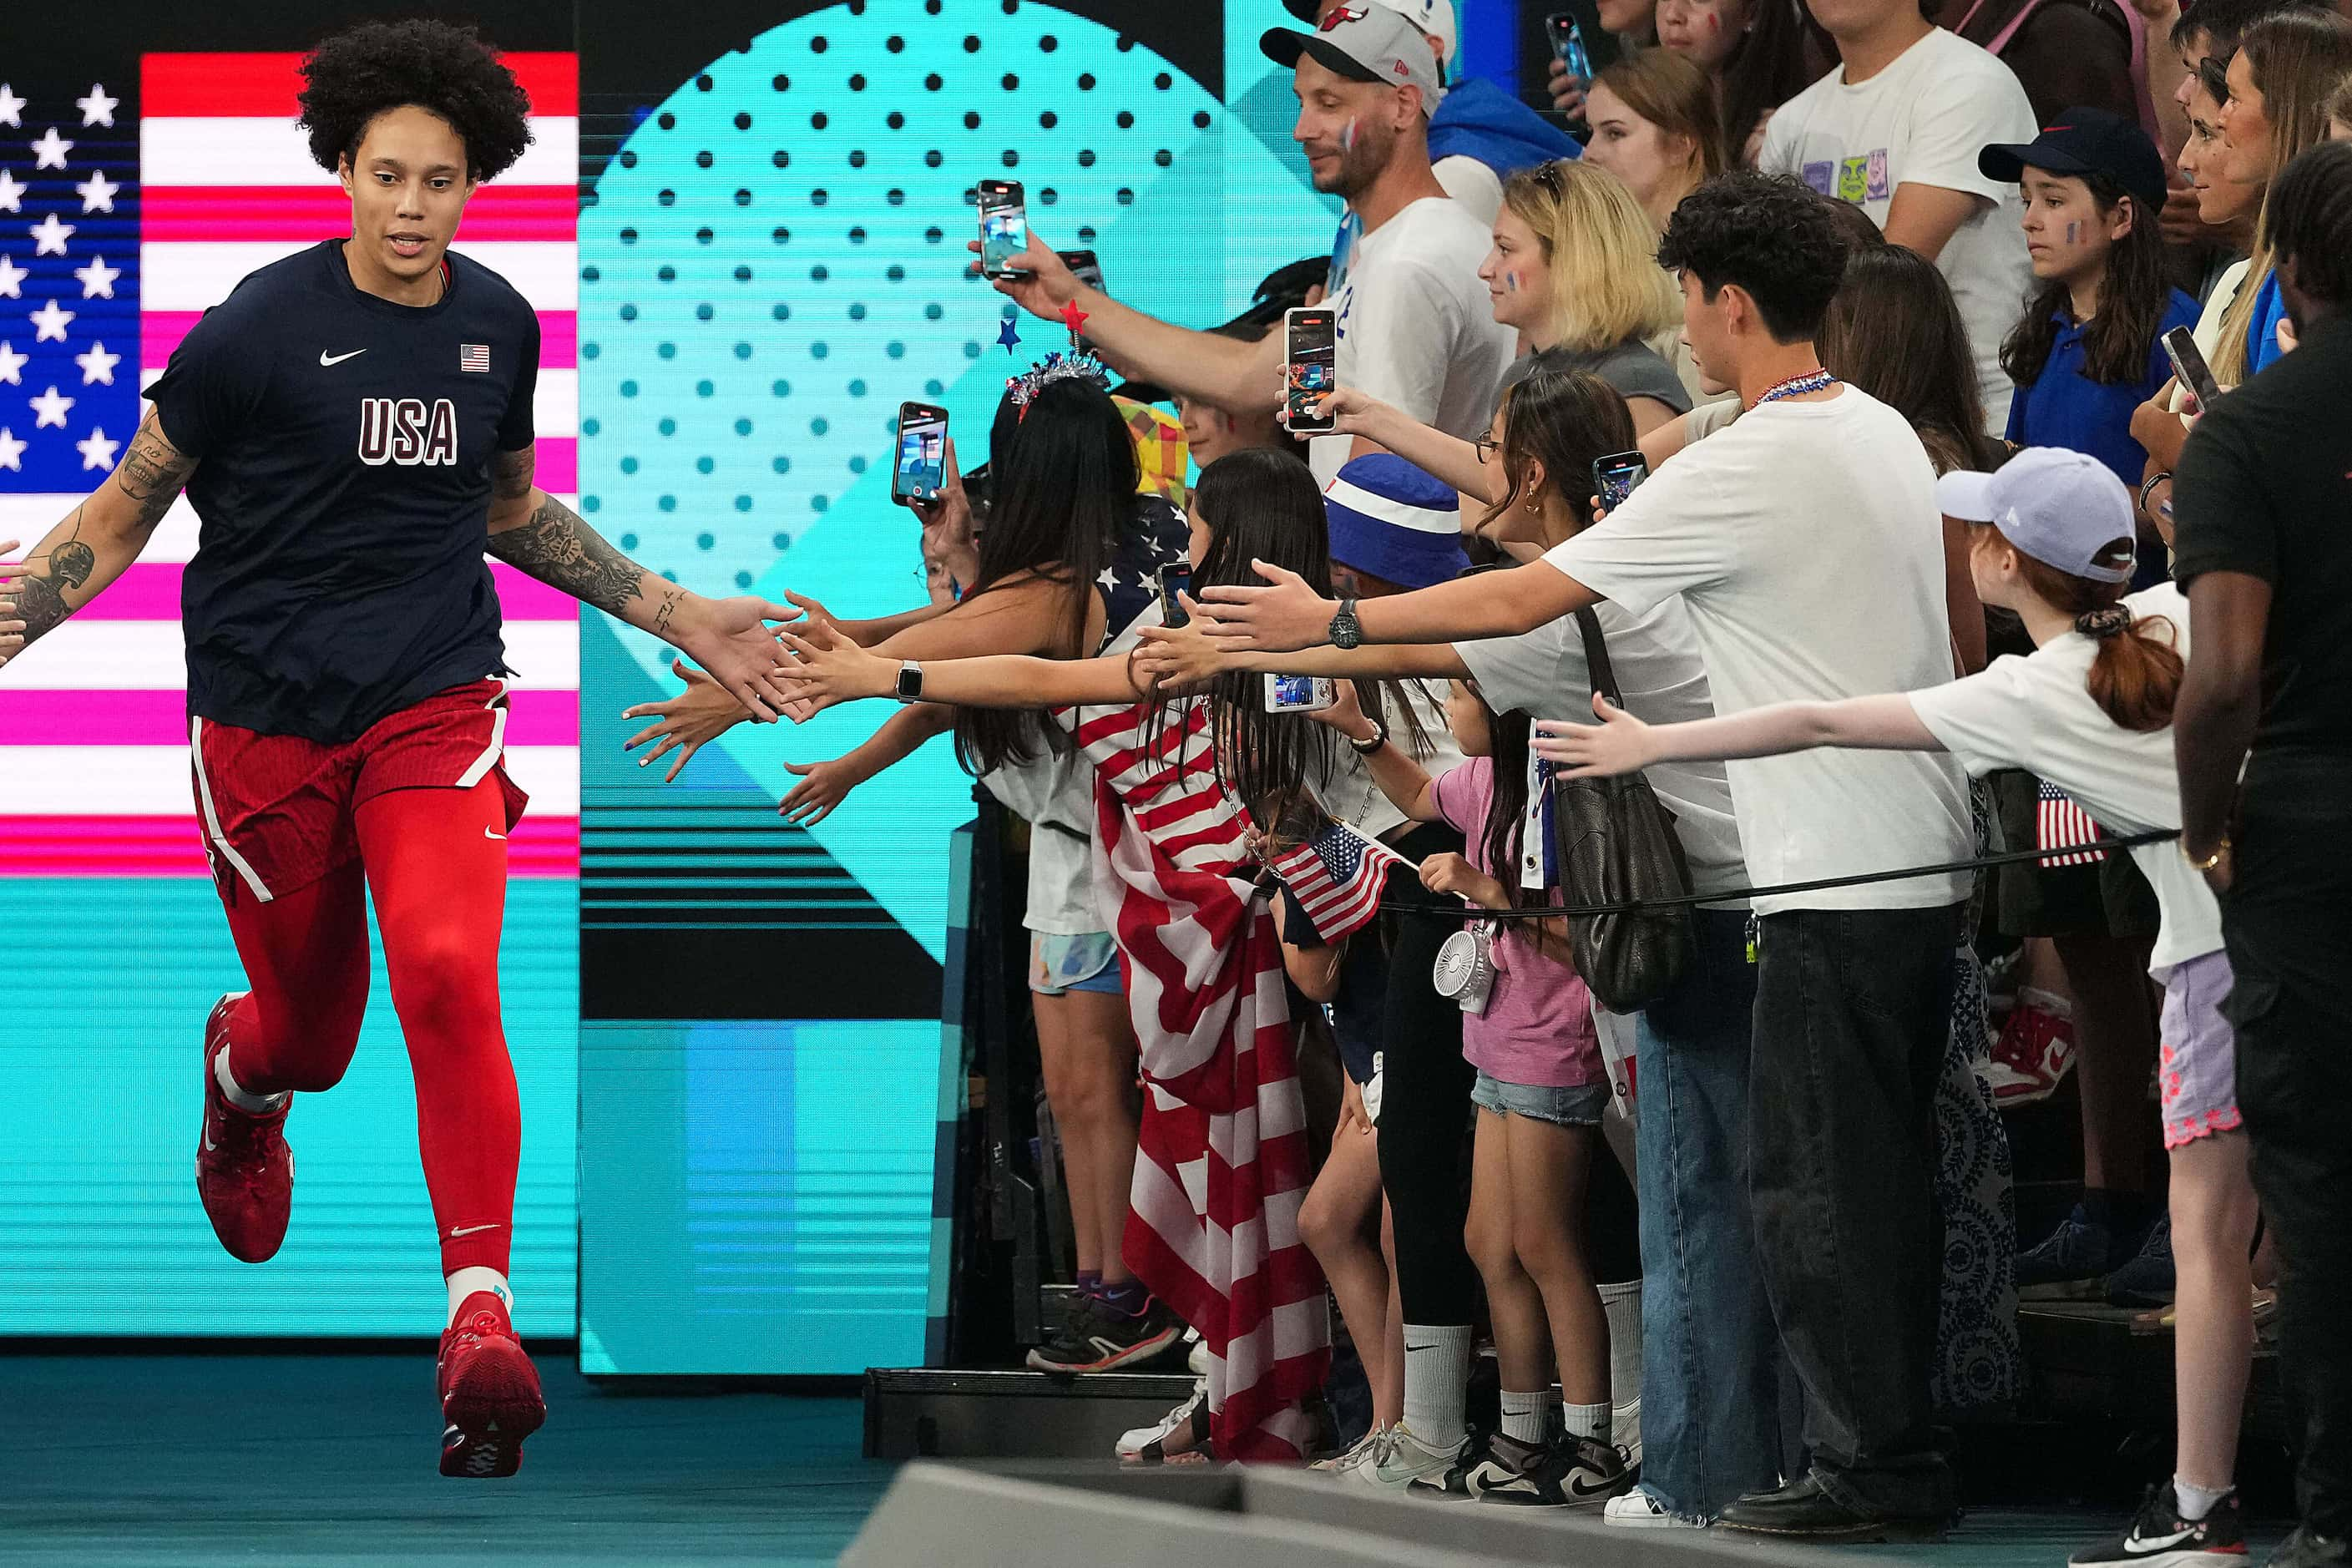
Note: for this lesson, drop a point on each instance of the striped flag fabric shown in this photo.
(1222, 1162)
(1337, 877)
(127, 208)
(2061, 824)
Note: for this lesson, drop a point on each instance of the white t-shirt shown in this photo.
(2036, 712)
(1923, 121)
(1354, 797)
(1806, 541)
(1543, 674)
(1416, 329)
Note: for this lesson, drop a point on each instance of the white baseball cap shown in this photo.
(1434, 17)
(1364, 42)
(2061, 508)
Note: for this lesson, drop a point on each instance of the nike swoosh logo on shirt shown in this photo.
(325, 358)
(458, 1231)
(488, 834)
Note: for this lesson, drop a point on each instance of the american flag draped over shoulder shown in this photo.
(1337, 877)
(2061, 824)
(1223, 1164)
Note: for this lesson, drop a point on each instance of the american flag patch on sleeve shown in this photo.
(475, 357)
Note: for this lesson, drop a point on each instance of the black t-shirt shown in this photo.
(2264, 487)
(344, 446)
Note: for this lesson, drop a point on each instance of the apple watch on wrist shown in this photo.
(909, 688)
(1346, 630)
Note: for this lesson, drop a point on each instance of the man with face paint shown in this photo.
(1415, 328)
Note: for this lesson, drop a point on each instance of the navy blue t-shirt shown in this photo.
(343, 485)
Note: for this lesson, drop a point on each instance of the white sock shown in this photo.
(473, 1278)
(1436, 1374)
(251, 1104)
(1523, 1416)
(1621, 1303)
(2197, 1502)
(1587, 1421)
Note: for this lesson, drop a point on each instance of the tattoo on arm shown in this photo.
(152, 472)
(560, 550)
(33, 592)
(513, 473)
(667, 608)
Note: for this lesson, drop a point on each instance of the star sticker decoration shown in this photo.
(98, 193)
(12, 108)
(50, 322)
(1073, 317)
(12, 450)
(12, 365)
(50, 409)
(11, 274)
(97, 108)
(49, 236)
(50, 149)
(1006, 337)
(12, 192)
(97, 365)
(96, 451)
(97, 278)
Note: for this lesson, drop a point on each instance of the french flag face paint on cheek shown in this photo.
(2075, 234)
(1510, 282)
(1348, 137)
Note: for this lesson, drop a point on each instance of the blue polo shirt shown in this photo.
(2263, 349)
(2064, 407)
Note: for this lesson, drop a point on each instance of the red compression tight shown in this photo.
(440, 885)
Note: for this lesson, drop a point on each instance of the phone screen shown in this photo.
(2188, 364)
(1003, 226)
(921, 466)
(1617, 475)
(1311, 349)
(1174, 578)
(1082, 266)
(1568, 45)
(1298, 693)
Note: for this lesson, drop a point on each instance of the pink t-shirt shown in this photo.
(1538, 1027)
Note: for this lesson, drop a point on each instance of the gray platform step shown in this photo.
(924, 1413)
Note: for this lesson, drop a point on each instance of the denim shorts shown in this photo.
(2197, 1061)
(1089, 962)
(1569, 1105)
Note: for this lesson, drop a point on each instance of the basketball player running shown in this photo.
(353, 428)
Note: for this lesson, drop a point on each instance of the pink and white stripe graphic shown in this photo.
(93, 738)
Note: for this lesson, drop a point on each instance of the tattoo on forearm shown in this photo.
(560, 550)
(513, 473)
(668, 608)
(152, 472)
(33, 590)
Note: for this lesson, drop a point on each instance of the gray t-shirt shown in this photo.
(1632, 367)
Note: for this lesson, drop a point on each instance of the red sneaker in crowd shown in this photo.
(489, 1392)
(2035, 1051)
(245, 1171)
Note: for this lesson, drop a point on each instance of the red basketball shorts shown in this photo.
(276, 811)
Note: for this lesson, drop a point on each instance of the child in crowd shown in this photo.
(2089, 350)
(1540, 1092)
(2091, 710)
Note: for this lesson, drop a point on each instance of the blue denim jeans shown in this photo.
(1710, 1371)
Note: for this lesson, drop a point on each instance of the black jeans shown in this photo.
(2288, 920)
(1851, 1016)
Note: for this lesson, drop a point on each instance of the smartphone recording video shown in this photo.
(919, 472)
(1617, 475)
(1175, 578)
(1003, 228)
(1311, 368)
(1299, 693)
(1568, 45)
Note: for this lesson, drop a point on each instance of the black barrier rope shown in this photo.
(1734, 895)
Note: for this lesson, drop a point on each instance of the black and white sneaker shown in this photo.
(1576, 1473)
(1100, 1337)
(2160, 1538)
(1480, 1466)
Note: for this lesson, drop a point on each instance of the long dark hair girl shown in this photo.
(1894, 330)
(1768, 66)
(2133, 294)
(1063, 486)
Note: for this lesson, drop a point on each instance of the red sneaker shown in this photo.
(245, 1171)
(489, 1392)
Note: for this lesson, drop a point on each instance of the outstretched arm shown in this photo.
(1622, 743)
(832, 671)
(542, 537)
(1289, 614)
(81, 556)
(1187, 656)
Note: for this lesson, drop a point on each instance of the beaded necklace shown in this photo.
(1797, 386)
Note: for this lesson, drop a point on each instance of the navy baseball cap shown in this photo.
(2086, 142)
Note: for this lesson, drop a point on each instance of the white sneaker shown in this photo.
(1625, 1422)
(1637, 1510)
(1196, 1360)
(1341, 1464)
(1144, 1442)
(1404, 1459)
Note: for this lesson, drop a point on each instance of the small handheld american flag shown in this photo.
(2060, 824)
(1337, 877)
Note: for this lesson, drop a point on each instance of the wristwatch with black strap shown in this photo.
(1346, 630)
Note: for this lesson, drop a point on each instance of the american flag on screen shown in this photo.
(127, 208)
(1337, 877)
(1221, 1157)
(2060, 824)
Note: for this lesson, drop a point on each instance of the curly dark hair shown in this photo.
(1770, 235)
(359, 73)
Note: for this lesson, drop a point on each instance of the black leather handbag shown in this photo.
(1617, 842)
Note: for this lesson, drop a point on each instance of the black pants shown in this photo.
(1425, 1104)
(2288, 920)
(1851, 1016)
